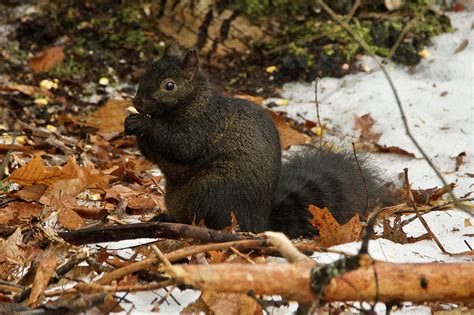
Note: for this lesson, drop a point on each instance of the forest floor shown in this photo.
(49, 196)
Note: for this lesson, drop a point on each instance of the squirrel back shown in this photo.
(222, 155)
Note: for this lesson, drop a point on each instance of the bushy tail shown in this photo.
(321, 177)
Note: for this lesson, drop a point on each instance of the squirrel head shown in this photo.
(169, 83)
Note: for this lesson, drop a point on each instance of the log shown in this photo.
(442, 282)
(213, 27)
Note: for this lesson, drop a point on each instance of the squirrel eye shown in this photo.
(169, 86)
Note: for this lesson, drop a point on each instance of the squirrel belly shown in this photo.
(222, 155)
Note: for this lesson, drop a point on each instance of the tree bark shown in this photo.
(440, 282)
(214, 28)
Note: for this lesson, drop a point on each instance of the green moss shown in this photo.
(68, 68)
(258, 8)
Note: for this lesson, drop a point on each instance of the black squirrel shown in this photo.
(222, 155)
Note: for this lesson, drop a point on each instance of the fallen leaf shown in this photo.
(45, 271)
(467, 222)
(15, 147)
(330, 231)
(461, 46)
(394, 150)
(364, 123)
(15, 212)
(62, 193)
(426, 196)
(11, 248)
(110, 117)
(394, 233)
(29, 90)
(460, 160)
(234, 225)
(69, 219)
(218, 256)
(211, 302)
(288, 135)
(139, 199)
(47, 59)
(31, 193)
(36, 172)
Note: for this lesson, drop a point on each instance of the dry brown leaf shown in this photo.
(11, 248)
(330, 231)
(461, 46)
(364, 123)
(393, 149)
(377, 148)
(467, 222)
(31, 193)
(15, 212)
(288, 135)
(110, 117)
(427, 196)
(62, 193)
(15, 147)
(460, 160)
(36, 172)
(69, 219)
(139, 199)
(395, 233)
(29, 90)
(234, 225)
(47, 59)
(45, 271)
(211, 302)
(218, 256)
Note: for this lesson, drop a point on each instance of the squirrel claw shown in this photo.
(133, 124)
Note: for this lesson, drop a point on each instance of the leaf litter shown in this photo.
(105, 168)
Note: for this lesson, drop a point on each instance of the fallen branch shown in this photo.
(174, 256)
(149, 230)
(440, 282)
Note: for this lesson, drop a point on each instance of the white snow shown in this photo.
(443, 125)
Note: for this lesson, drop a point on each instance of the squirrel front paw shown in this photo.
(133, 125)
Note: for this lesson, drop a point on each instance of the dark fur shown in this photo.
(222, 155)
(320, 177)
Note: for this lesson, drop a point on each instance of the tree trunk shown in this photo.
(213, 28)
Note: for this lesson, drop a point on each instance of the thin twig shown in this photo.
(368, 232)
(119, 288)
(422, 220)
(317, 111)
(353, 10)
(366, 47)
(244, 257)
(366, 214)
(161, 256)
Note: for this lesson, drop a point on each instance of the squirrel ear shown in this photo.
(173, 50)
(190, 64)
